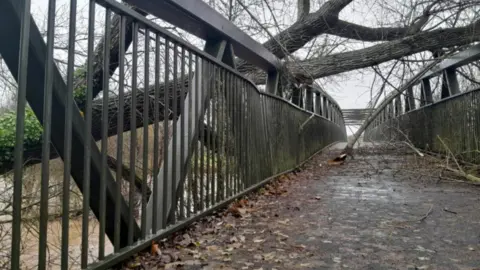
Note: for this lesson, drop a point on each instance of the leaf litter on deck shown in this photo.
(252, 233)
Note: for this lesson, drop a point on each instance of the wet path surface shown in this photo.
(369, 213)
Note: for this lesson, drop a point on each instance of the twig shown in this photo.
(414, 149)
(427, 214)
(463, 174)
(450, 152)
(304, 123)
(400, 223)
(449, 211)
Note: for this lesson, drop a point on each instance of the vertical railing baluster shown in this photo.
(237, 113)
(87, 134)
(196, 143)
(227, 128)
(213, 127)
(173, 186)
(68, 135)
(183, 174)
(166, 135)
(243, 143)
(156, 165)
(208, 186)
(133, 134)
(19, 133)
(146, 104)
(120, 126)
(221, 119)
(106, 67)
(47, 124)
(190, 130)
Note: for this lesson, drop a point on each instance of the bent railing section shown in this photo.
(174, 133)
(435, 114)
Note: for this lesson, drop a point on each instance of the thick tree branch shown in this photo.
(358, 32)
(303, 8)
(301, 32)
(374, 55)
(363, 33)
(81, 77)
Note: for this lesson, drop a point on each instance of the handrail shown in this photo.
(199, 19)
(453, 118)
(438, 66)
(457, 60)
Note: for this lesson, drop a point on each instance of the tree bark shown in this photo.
(377, 54)
(300, 32)
(81, 78)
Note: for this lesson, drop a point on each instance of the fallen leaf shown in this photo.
(155, 250)
(236, 245)
(175, 265)
(133, 265)
(212, 248)
(300, 247)
(242, 238)
(234, 211)
(186, 241)
(293, 255)
(282, 236)
(229, 225)
(420, 248)
(284, 222)
(258, 240)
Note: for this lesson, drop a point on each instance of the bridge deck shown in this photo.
(385, 209)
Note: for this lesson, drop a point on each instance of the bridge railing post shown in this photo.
(318, 103)
(309, 99)
(450, 75)
(409, 100)
(427, 91)
(272, 85)
(398, 106)
(296, 96)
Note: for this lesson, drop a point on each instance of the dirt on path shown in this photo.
(382, 210)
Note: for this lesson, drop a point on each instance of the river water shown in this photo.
(29, 243)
